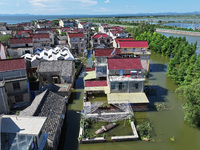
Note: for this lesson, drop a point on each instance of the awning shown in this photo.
(137, 98)
(90, 75)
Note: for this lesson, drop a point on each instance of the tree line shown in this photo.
(183, 68)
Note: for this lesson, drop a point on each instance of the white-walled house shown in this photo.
(20, 46)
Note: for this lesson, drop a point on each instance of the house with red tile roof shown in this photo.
(42, 40)
(83, 25)
(13, 85)
(77, 42)
(20, 46)
(101, 56)
(117, 34)
(123, 83)
(117, 28)
(23, 33)
(133, 48)
(103, 28)
(101, 39)
(115, 41)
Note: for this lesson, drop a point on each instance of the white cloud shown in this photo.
(107, 1)
(86, 2)
(38, 3)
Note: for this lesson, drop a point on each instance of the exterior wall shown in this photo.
(117, 72)
(139, 107)
(145, 61)
(130, 50)
(101, 29)
(17, 53)
(101, 71)
(13, 74)
(21, 45)
(23, 90)
(46, 78)
(97, 42)
(78, 45)
(128, 87)
(41, 43)
(4, 108)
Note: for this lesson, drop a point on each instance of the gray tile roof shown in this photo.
(50, 105)
(65, 67)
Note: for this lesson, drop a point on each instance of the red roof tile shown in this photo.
(83, 23)
(99, 35)
(124, 63)
(24, 31)
(74, 35)
(47, 29)
(133, 44)
(12, 64)
(117, 28)
(106, 52)
(89, 69)
(40, 36)
(116, 31)
(95, 83)
(123, 39)
(26, 40)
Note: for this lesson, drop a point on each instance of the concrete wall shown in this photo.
(130, 87)
(18, 52)
(13, 74)
(130, 50)
(4, 108)
(145, 61)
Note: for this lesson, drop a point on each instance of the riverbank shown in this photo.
(190, 33)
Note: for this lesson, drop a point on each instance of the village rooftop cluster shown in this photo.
(39, 65)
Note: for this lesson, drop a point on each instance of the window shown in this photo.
(16, 86)
(18, 98)
(121, 73)
(114, 85)
(108, 40)
(95, 40)
(125, 49)
(133, 49)
(120, 85)
(124, 85)
(135, 85)
(27, 51)
(74, 40)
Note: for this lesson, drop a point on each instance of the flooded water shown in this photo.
(166, 124)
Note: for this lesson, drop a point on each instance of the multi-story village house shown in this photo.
(122, 79)
(13, 84)
(101, 39)
(66, 23)
(77, 42)
(132, 48)
(41, 40)
(103, 28)
(20, 46)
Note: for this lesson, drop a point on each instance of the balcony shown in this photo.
(137, 77)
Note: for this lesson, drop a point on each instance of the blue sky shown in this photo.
(65, 7)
